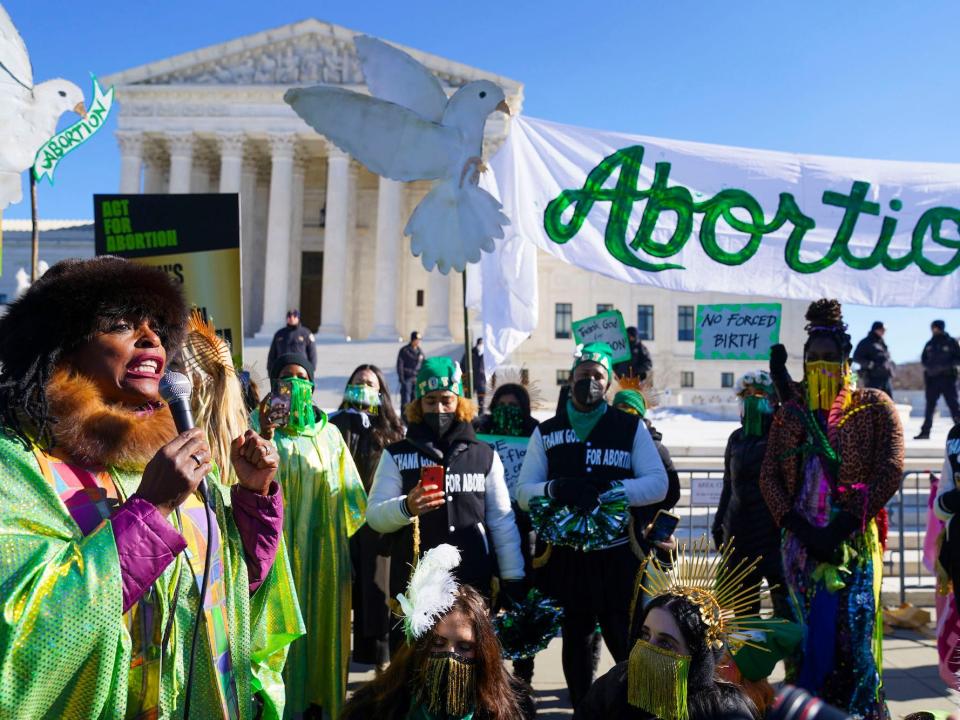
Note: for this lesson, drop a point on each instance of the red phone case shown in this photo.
(432, 475)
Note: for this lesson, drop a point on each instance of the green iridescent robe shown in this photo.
(324, 504)
(65, 650)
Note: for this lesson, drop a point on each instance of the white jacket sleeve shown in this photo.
(533, 475)
(501, 523)
(947, 483)
(649, 483)
(386, 506)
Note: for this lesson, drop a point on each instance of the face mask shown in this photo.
(439, 422)
(588, 392)
(755, 409)
(657, 681)
(362, 397)
(507, 420)
(448, 685)
(301, 404)
(824, 380)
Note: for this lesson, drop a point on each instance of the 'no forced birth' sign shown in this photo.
(737, 332)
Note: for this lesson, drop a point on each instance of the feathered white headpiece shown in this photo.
(431, 591)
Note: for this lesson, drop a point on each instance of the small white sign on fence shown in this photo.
(705, 491)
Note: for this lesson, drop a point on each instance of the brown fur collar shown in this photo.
(93, 433)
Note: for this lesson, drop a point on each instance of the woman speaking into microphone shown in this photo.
(98, 504)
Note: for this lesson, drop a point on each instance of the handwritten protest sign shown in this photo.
(606, 327)
(512, 451)
(736, 332)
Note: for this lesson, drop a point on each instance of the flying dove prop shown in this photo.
(28, 112)
(408, 130)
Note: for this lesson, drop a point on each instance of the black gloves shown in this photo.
(512, 593)
(574, 491)
(778, 359)
(717, 532)
(824, 543)
(950, 501)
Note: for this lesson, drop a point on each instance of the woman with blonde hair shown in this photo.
(441, 484)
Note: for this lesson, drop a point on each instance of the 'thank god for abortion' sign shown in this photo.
(606, 327)
(736, 331)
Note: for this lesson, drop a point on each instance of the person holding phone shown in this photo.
(449, 485)
(572, 458)
(324, 503)
(742, 517)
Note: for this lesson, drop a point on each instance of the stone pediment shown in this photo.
(304, 53)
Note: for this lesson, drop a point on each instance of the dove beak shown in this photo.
(503, 107)
(80, 110)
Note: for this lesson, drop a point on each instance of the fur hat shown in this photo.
(69, 303)
(61, 311)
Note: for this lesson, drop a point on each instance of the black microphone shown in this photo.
(175, 389)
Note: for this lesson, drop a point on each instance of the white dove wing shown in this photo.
(388, 139)
(13, 53)
(395, 76)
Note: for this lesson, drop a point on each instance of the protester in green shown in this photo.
(325, 505)
(572, 459)
(97, 505)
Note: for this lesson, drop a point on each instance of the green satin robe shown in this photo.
(324, 504)
(65, 650)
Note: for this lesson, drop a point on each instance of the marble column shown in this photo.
(231, 161)
(155, 180)
(181, 160)
(296, 232)
(251, 269)
(279, 217)
(335, 237)
(131, 160)
(438, 307)
(388, 241)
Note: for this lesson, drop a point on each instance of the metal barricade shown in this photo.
(907, 513)
(908, 509)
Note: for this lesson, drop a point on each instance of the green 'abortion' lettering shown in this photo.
(678, 201)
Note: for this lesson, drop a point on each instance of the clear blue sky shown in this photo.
(872, 79)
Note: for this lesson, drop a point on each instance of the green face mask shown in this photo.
(362, 397)
(755, 409)
(301, 404)
(507, 420)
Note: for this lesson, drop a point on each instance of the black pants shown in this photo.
(406, 392)
(580, 649)
(935, 387)
(884, 384)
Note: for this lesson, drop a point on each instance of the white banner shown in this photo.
(696, 217)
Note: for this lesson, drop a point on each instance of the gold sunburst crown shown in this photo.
(719, 589)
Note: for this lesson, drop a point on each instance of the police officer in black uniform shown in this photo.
(293, 338)
(940, 358)
(572, 458)
(470, 511)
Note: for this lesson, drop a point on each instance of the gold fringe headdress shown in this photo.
(656, 677)
(217, 400)
(720, 591)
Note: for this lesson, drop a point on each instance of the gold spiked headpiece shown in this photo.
(710, 583)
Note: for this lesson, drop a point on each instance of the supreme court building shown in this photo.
(322, 233)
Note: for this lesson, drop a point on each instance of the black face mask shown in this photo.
(588, 392)
(439, 422)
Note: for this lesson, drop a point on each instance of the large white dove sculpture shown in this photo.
(28, 112)
(409, 130)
